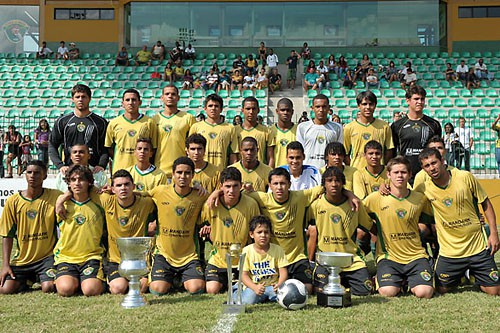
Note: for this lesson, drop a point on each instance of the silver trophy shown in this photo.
(134, 252)
(334, 294)
(234, 304)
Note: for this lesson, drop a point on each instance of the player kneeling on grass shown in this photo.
(78, 252)
(463, 244)
(399, 254)
(265, 264)
(228, 224)
(29, 217)
(336, 225)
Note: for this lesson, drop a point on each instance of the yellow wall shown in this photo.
(492, 188)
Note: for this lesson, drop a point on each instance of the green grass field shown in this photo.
(466, 310)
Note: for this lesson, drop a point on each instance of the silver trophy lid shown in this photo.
(334, 259)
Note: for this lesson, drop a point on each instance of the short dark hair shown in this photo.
(372, 144)
(196, 139)
(38, 163)
(80, 145)
(295, 145)
(214, 98)
(183, 160)
(415, 90)
(428, 152)
(369, 95)
(81, 88)
(230, 173)
(398, 160)
(334, 148)
(286, 101)
(83, 171)
(321, 97)
(249, 99)
(333, 172)
(171, 86)
(250, 140)
(121, 174)
(260, 220)
(146, 140)
(131, 91)
(434, 139)
(279, 172)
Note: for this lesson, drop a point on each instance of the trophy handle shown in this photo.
(240, 275)
(229, 263)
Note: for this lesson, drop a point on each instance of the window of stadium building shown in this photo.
(19, 29)
(286, 24)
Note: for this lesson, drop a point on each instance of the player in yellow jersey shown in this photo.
(336, 224)
(369, 178)
(222, 138)
(366, 128)
(228, 224)
(179, 209)
(254, 173)
(205, 173)
(123, 131)
(173, 128)
(463, 244)
(335, 155)
(78, 252)
(251, 128)
(400, 255)
(284, 131)
(29, 217)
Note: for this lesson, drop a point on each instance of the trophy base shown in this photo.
(233, 308)
(334, 300)
(135, 301)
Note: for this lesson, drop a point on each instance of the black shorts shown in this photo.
(91, 269)
(300, 270)
(359, 281)
(111, 271)
(449, 271)
(214, 273)
(42, 271)
(417, 272)
(163, 271)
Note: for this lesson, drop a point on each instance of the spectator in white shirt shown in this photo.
(44, 51)
(272, 59)
(462, 71)
(190, 52)
(482, 70)
(467, 141)
(62, 51)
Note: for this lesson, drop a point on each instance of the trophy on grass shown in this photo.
(334, 294)
(234, 304)
(134, 252)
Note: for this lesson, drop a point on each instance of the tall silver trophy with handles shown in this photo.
(134, 252)
(234, 303)
(334, 294)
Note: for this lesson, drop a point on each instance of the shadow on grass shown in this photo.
(168, 299)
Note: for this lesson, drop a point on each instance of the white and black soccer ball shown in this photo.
(292, 295)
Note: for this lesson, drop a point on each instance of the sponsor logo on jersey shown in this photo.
(387, 275)
(31, 214)
(132, 133)
(447, 202)
(280, 215)
(335, 218)
(212, 135)
(426, 275)
(401, 213)
(81, 127)
(79, 219)
(123, 220)
(227, 222)
(179, 210)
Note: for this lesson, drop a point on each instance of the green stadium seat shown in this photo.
(338, 93)
(9, 93)
(477, 124)
(487, 102)
(444, 84)
(434, 102)
(350, 93)
(249, 93)
(339, 103)
(389, 93)
(478, 93)
(483, 113)
(109, 114)
(117, 103)
(262, 93)
(353, 104)
(40, 114)
(155, 103)
(482, 149)
(440, 114)
(460, 102)
(491, 93)
(394, 103)
(23, 103)
(452, 93)
(103, 103)
(223, 93)
(487, 136)
(439, 93)
(184, 94)
(491, 163)
(310, 93)
(199, 93)
(474, 102)
(453, 113)
(476, 164)
(195, 104)
(210, 92)
(468, 113)
(182, 104)
(36, 103)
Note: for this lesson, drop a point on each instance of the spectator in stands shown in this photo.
(212, 80)
(224, 81)
(303, 118)
(177, 52)
(391, 72)
(372, 80)
(332, 64)
(187, 80)
(466, 140)
(311, 80)
(143, 57)
(321, 81)
(311, 66)
(342, 67)
(44, 52)
(305, 52)
(158, 51)
(396, 116)
(348, 79)
(237, 120)
(336, 119)
(274, 81)
(249, 81)
(262, 82)
(323, 70)
(178, 71)
(25, 147)
(263, 65)
(2, 171)
(74, 52)
(482, 70)
(365, 63)
(237, 80)
(200, 117)
(496, 127)
(42, 134)
(462, 71)
(251, 64)
(13, 139)
(410, 79)
(262, 51)
(169, 72)
(190, 52)
(215, 67)
(291, 75)
(402, 73)
(272, 59)
(238, 64)
(358, 73)
(122, 58)
(472, 80)
(451, 144)
(451, 75)
(62, 51)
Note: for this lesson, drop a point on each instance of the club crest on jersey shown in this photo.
(366, 136)
(494, 275)
(335, 218)
(31, 214)
(196, 183)
(199, 270)
(321, 139)
(132, 133)
(139, 186)
(283, 142)
(212, 135)
(80, 127)
(416, 128)
(280, 215)
(15, 30)
(123, 220)
(79, 219)
(375, 188)
(447, 202)
(87, 271)
(426, 275)
(368, 284)
(227, 222)
(51, 273)
(179, 210)
(167, 128)
(401, 213)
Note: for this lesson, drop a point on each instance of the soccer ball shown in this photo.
(292, 295)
